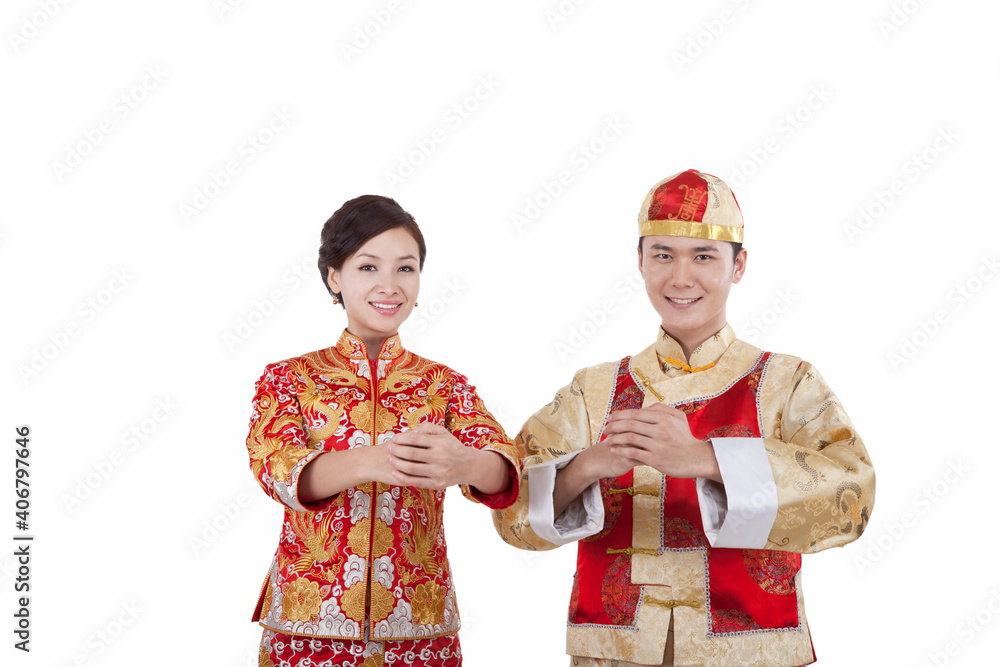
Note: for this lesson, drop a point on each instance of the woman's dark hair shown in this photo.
(357, 222)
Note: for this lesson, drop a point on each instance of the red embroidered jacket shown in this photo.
(373, 554)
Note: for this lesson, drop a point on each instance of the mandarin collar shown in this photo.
(353, 347)
(670, 355)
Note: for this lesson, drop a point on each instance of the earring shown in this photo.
(335, 300)
(415, 304)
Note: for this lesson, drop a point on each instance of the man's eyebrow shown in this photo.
(706, 248)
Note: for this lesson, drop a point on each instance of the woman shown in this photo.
(358, 441)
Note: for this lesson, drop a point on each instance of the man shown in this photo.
(693, 474)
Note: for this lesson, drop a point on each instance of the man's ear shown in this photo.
(739, 265)
(639, 250)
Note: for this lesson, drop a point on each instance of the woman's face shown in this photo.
(378, 286)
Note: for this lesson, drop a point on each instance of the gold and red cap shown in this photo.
(692, 204)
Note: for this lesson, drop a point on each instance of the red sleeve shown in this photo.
(469, 420)
(277, 443)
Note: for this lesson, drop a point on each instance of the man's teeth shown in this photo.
(683, 301)
(385, 306)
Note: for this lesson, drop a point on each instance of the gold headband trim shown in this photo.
(697, 230)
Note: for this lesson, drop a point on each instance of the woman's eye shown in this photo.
(367, 267)
(406, 268)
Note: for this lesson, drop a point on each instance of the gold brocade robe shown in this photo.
(818, 482)
(370, 561)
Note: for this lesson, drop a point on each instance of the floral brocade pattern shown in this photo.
(753, 379)
(731, 431)
(628, 395)
(428, 603)
(618, 594)
(691, 407)
(682, 534)
(281, 650)
(774, 571)
(574, 598)
(302, 600)
(725, 621)
(613, 504)
(371, 559)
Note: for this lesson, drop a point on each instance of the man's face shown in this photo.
(688, 281)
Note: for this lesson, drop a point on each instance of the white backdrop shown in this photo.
(167, 168)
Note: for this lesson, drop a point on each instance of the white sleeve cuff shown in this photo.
(740, 512)
(582, 518)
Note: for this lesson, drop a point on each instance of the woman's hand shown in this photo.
(430, 457)
(332, 472)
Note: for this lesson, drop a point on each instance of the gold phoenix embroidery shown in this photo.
(417, 545)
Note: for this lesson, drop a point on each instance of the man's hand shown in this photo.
(604, 460)
(659, 436)
(587, 467)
